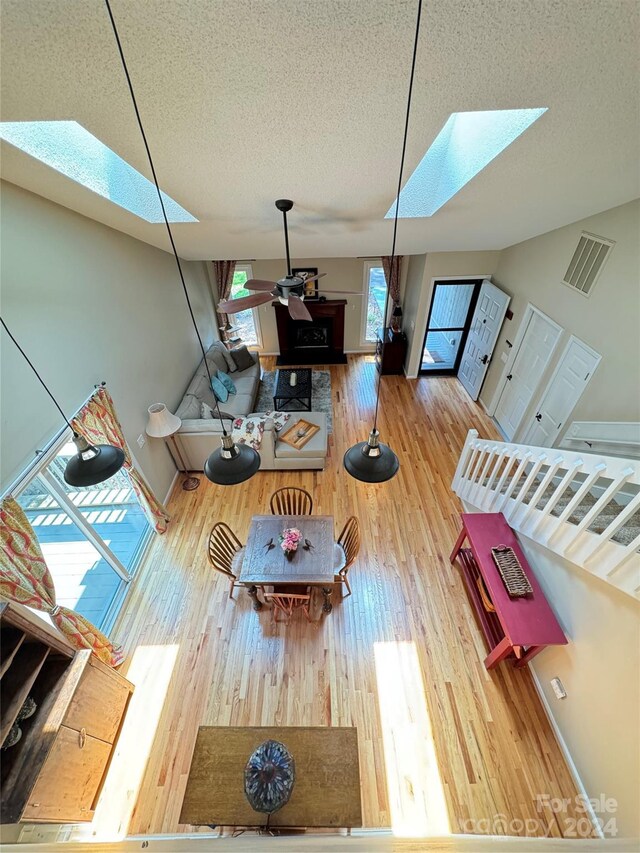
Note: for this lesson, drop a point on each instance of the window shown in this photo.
(92, 538)
(74, 152)
(375, 292)
(464, 146)
(246, 324)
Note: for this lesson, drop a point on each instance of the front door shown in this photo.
(575, 368)
(485, 327)
(529, 363)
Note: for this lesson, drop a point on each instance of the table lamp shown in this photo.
(164, 424)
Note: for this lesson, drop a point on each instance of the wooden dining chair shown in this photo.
(286, 598)
(225, 552)
(345, 551)
(290, 500)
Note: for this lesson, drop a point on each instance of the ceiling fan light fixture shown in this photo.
(371, 461)
(231, 463)
(92, 464)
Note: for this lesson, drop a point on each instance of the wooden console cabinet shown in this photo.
(391, 351)
(55, 772)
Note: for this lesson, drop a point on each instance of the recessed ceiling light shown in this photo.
(464, 146)
(71, 150)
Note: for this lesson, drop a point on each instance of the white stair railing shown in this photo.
(527, 483)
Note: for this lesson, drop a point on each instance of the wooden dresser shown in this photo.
(391, 351)
(55, 772)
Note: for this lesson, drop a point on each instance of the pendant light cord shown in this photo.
(40, 379)
(395, 217)
(164, 212)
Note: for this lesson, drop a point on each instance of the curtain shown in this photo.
(25, 578)
(99, 424)
(224, 277)
(392, 276)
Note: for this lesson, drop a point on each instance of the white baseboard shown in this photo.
(565, 751)
(171, 485)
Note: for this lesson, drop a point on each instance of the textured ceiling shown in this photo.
(246, 101)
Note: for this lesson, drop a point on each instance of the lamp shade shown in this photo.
(231, 463)
(371, 461)
(92, 464)
(162, 422)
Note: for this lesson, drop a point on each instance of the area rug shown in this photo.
(320, 393)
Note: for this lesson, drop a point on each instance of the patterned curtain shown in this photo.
(25, 577)
(392, 276)
(99, 424)
(224, 277)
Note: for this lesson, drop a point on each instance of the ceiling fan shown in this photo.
(289, 290)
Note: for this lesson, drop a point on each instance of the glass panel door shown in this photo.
(451, 310)
(83, 579)
(110, 508)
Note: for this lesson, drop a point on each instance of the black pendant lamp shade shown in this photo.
(371, 461)
(231, 463)
(92, 464)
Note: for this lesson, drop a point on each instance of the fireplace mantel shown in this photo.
(328, 317)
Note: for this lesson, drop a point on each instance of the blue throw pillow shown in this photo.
(227, 381)
(219, 390)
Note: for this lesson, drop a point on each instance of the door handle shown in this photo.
(538, 417)
(510, 377)
(484, 359)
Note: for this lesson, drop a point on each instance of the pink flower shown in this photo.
(289, 539)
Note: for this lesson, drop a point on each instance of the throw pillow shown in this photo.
(227, 381)
(206, 411)
(279, 419)
(219, 390)
(221, 348)
(189, 408)
(216, 361)
(242, 357)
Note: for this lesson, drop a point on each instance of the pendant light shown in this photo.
(372, 461)
(93, 463)
(230, 463)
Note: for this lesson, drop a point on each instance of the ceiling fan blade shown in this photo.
(314, 277)
(297, 308)
(233, 306)
(259, 284)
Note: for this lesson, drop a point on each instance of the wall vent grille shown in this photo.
(587, 262)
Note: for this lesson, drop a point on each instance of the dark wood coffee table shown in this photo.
(287, 397)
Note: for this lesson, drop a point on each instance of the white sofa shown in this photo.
(199, 437)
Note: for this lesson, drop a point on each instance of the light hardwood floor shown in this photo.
(445, 746)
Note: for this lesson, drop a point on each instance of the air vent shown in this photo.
(587, 262)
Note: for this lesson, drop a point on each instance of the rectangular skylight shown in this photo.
(71, 150)
(464, 146)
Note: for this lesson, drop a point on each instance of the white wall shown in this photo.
(342, 274)
(88, 304)
(600, 670)
(419, 291)
(608, 321)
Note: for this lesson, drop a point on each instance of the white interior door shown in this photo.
(528, 364)
(485, 327)
(575, 368)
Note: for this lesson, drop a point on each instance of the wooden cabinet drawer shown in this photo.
(98, 704)
(70, 779)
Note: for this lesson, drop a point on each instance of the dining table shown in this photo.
(264, 563)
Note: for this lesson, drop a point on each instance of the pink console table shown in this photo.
(520, 627)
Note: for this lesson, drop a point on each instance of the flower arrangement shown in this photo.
(289, 539)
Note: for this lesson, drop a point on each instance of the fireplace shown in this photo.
(310, 335)
(320, 341)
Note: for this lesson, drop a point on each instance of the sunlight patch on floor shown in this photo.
(150, 671)
(416, 795)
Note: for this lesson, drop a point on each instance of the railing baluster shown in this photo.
(630, 509)
(597, 508)
(516, 477)
(488, 497)
(541, 489)
(528, 482)
(575, 501)
(558, 493)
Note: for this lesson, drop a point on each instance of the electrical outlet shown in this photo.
(141, 440)
(558, 688)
